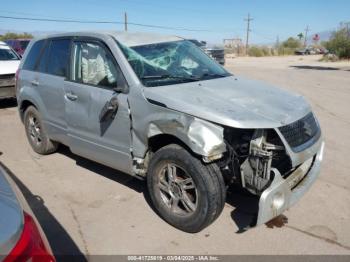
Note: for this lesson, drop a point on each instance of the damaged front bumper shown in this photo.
(285, 192)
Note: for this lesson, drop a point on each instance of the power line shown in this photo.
(248, 30)
(101, 22)
(8, 15)
(7, 12)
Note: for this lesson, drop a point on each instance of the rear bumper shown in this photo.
(284, 193)
(7, 91)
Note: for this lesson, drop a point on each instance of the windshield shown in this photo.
(7, 54)
(171, 63)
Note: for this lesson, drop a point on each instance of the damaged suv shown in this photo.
(160, 109)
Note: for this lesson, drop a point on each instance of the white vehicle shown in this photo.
(9, 62)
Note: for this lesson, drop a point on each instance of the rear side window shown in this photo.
(32, 57)
(59, 57)
(42, 66)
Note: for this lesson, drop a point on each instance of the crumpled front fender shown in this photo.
(204, 138)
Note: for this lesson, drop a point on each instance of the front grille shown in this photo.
(7, 80)
(301, 132)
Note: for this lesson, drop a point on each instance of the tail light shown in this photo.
(16, 79)
(17, 74)
(30, 246)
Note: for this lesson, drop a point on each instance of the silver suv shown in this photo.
(160, 109)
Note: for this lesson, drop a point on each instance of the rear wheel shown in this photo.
(36, 133)
(187, 193)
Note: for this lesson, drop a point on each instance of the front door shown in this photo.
(95, 130)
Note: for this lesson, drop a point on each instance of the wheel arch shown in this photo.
(24, 105)
(156, 142)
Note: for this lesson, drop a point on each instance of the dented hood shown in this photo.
(232, 101)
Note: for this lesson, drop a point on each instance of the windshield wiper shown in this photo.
(192, 78)
(186, 78)
(213, 75)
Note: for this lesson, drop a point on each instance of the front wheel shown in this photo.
(186, 193)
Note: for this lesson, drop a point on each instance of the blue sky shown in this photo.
(222, 18)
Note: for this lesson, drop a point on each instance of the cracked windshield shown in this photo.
(171, 63)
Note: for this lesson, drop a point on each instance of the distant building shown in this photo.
(234, 45)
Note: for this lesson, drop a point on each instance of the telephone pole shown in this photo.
(347, 24)
(125, 21)
(307, 29)
(248, 19)
(277, 41)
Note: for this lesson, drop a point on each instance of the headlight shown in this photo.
(278, 200)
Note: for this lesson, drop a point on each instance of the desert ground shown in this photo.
(86, 208)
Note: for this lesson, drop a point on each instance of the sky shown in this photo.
(206, 20)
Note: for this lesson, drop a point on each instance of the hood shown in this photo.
(9, 67)
(233, 101)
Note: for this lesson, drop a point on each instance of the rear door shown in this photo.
(53, 69)
(94, 75)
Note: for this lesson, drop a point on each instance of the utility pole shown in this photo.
(125, 21)
(307, 29)
(347, 24)
(248, 19)
(277, 41)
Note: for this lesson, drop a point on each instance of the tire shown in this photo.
(191, 199)
(36, 133)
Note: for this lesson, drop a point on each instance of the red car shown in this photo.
(19, 45)
(21, 237)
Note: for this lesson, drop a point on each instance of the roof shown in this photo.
(136, 39)
(125, 38)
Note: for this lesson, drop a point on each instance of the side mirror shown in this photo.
(121, 89)
(109, 110)
(118, 89)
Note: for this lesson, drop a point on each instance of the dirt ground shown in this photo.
(86, 208)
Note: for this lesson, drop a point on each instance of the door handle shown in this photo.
(71, 96)
(35, 83)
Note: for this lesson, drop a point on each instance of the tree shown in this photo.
(300, 36)
(339, 43)
(10, 35)
(291, 42)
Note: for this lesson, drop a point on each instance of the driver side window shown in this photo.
(93, 65)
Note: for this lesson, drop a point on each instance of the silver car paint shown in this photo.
(230, 101)
(290, 189)
(145, 117)
(87, 136)
(12, 206)
(11, 218)
(233, 101)
(194, 112)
